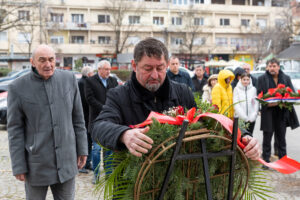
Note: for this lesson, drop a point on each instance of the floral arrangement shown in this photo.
(187, 175)
(284, 96)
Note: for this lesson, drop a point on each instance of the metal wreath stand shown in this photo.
(183, 137)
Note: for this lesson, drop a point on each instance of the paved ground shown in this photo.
(285, 186)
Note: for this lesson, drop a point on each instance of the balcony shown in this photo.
(78, 26)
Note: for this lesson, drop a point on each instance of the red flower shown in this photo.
(278, 95)
(288, 89)
(260, 95)
(280, 86)
(271, 91)
(179, 110)
(298, 91)
(287, 95)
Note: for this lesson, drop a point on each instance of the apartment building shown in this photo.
(194, 30)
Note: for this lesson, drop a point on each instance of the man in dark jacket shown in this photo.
(148, 90)
(237, 76)
(176, 75)
(86, 72)
(95, 92)
(199, 80)
(273, 118)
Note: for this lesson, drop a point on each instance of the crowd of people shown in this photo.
(55, 125)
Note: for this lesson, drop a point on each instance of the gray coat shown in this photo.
(46, 128)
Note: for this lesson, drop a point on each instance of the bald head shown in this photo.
(43, 59)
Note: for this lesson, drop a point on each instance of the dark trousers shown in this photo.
(89, 157)
(280, 131)
(251, 128)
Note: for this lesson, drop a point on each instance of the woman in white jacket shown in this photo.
(246, 106)
(211, 82)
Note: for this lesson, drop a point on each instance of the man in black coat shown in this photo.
(199, 80)
(275, 119)
(86, 72)
(148, 90)
(95, 92)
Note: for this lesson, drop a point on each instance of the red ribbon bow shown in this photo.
(285, 165)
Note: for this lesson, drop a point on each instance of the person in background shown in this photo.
(273, 118)
(253, 80)
(245, 104)
(45, 125)
(237, 74)
(95, 93)
(178, 76)
(86, 72)
(199, 80)
(222, 93)
(211, 82)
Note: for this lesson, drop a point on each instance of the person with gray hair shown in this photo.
(86, 72)
(46, 133)
(96, 88)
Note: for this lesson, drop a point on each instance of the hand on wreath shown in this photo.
(252, 149)
(136, 141)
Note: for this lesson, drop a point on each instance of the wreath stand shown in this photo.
(201, 136)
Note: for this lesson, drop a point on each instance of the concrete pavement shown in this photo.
(285, 186)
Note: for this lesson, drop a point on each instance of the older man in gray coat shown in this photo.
(46, 130)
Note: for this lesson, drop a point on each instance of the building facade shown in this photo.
(86, 31)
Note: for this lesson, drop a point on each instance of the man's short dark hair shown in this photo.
(150, 47)
(273, 60)
(200, 66)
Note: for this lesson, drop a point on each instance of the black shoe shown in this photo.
(264, 167)
(84, 171)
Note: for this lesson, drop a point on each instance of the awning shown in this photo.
(291, 53)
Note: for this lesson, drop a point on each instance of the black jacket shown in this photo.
(237, 72)
(283, 115)
(254, 81)
(85, 105)
(95, 94)
(131, 104)
(198, 86)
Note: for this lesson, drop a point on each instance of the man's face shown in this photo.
(44, 62)
(150, 72)
(174, 65)
(273, 69)
(104, 71)
(199, 72)
(247, 69)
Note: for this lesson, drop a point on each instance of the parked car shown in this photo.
(120, 82)
(15, 75)
(294, 75)
(191, 73)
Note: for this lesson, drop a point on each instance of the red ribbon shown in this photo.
(285, 165)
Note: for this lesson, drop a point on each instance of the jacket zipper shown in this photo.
(246, 101)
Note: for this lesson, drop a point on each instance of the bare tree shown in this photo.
(121, 29)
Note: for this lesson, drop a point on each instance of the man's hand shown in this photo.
(136, 141)
(252, 149)
(21, 177)
(81, 160)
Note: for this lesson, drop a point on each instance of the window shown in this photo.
(221, 42)
(24, 15)
(236, 42)
(176, 21)
(197, 1)
(245, 22)
(56, 17)
(103, 19)
(56, 39)
(134, 19)
(176, 41)
(198, 41)
(103, 39)
(280, 23)
(133, 40)
(158, 20)
(24, 37)
(3, 36)
(224, 22)
(78, 18)
(261, 23)
(198, 21)
(77, 39)
(180, 2)
(160, 39)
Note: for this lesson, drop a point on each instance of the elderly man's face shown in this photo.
(199, 72)
(174, 65)
(44, 62)
(247, 69)
(150, 72)
(273, 69)
(104, 71)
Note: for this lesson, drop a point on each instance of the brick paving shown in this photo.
(284, 186)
